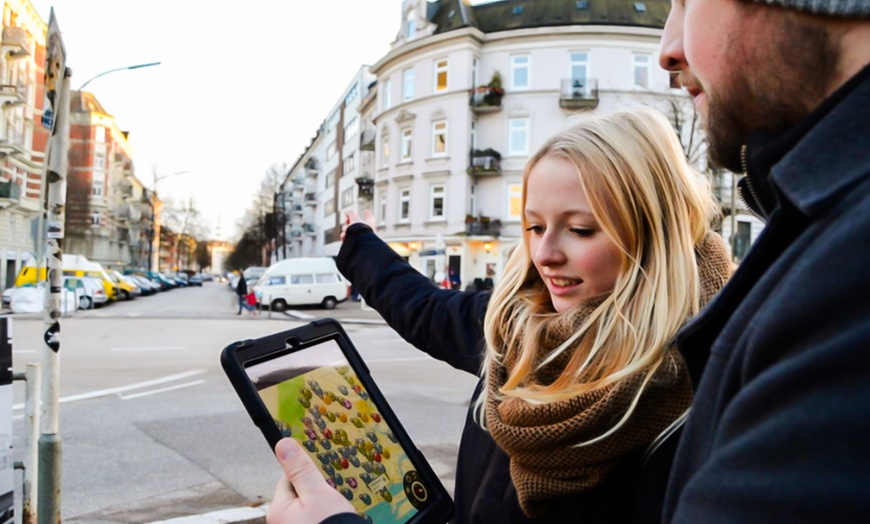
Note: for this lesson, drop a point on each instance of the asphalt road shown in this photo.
(151, 428)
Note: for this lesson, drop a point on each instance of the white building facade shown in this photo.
(465, 95)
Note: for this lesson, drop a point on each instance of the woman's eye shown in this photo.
(535, 229)
(582, 232)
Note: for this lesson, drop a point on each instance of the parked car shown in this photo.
(9, 293)
(195, 280)
(146, 285)
(126, 289)
(93, 293)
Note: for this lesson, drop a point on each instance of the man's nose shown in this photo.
(671, 56)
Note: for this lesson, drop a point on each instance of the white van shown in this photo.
(302, 281)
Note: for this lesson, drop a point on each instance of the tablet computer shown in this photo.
(310, 383)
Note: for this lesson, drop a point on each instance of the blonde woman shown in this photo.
(580, 388)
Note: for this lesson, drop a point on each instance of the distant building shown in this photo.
(436, 146)
(109, 213)
(22, 136)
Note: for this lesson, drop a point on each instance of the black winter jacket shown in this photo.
(448, 325)
(781, 419)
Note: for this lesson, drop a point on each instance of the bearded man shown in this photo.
(781, 359)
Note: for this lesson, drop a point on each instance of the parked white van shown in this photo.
(302, 281)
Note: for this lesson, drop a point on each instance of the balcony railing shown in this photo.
(367, 140)
(7, 147)
(10, 193)
(15, 42)
(479, 226)
(366, 187)
(485, 99)
(579, 93)
(484, 162)
(11, 95)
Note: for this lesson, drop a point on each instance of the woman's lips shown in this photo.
(563, 286)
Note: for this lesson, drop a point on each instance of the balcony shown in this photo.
(15, 43)
(308, 229)
(579, 93)
(485, 99)
(367, 140)
(485, 162)
(312, 167)
(366, 187)
(10, 193)
(8, 148)
(482, 226)
(12, 95)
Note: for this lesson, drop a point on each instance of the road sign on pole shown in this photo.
(57, 79)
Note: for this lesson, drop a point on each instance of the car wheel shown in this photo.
(279, 305)
(127, 295)
(86, 303)
(329, 303)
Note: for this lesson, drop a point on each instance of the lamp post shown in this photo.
(137, 66)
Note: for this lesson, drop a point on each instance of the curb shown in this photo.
(242, 515)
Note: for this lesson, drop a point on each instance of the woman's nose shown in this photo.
(549, 251)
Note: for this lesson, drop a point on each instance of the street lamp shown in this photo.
(137, 66)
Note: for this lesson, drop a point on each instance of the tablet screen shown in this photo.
(316, 398)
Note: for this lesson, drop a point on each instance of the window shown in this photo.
(436, 202)
(330, 178)
(330, 150)
(520, 72)
(518, 136)
(326, 278)
(347, 197)
(329, 207)
(408, 85)
(100, 161)
(411, 26)
(276, 281)
(100, 134)
(301, 279)
(385, 149)
(440, 75)
(407, 135)
(351, 95)
(579, 70)
(475, 66)
(387, 95)
(382, 207)
(98, 184)
(405, 205)
(641, 70)
(439, 138)
(95, 218)
(351, 129)
(742, 239)
(349, 164)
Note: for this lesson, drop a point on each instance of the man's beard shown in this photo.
(783, 80)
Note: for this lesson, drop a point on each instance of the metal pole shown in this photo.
(57, 88)
(32, 378)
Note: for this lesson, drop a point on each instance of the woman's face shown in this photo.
(572, 254)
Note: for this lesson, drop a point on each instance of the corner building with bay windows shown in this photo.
(465, 95)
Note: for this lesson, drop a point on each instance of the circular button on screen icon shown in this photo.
(416, 492)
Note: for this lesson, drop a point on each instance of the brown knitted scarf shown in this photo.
(541, 439)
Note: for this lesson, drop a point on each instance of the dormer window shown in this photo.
(411, 26)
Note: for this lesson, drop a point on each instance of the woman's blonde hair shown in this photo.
(655, 208)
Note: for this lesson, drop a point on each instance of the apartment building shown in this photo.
(23, 138)
(461, 100)
(109, 212)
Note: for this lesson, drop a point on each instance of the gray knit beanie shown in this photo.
(838, 8)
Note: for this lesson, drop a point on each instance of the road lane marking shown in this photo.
(161, 390)
(152, 348)
(121, 389)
